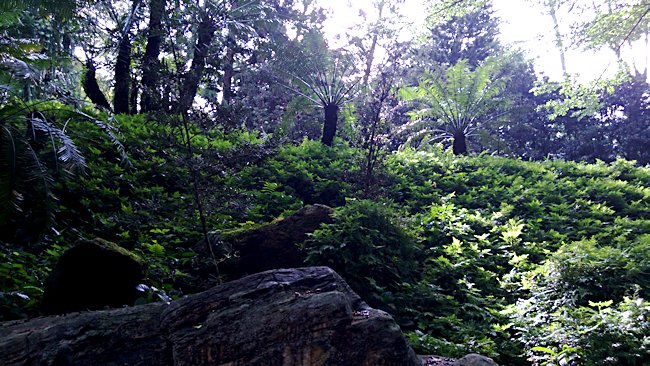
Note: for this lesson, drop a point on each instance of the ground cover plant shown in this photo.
(487, 208)
(509, 258)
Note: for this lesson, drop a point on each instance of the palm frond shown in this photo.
(63, 9)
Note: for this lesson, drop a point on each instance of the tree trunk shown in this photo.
(329, 128)
(371, 160)
(193, 77)
(558, 36)
(371, 52)
(371, 142)
(133, 96)
(150, 65)
(228, 70)
(91, 87)
(122, 76)
(460, 144)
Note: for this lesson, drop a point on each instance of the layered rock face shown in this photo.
(287, 317)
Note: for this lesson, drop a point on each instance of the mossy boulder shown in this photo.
(256, 249)
(93, 275)
(275, 245)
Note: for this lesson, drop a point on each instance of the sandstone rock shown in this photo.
(275, 245)
(475, 360)
(292, 317)
(270, 246)
(93, 275)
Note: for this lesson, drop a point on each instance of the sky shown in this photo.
(522, 25)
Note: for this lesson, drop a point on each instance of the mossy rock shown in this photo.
(93, 274)
(258, 248)
(276, 244)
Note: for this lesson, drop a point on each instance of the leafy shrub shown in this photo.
(148, 205)
(456, 305)
(464, 237)
(36, 152)
(587, 306)
(302, 174)
(22, 277)
(371, 247)
(488, 222)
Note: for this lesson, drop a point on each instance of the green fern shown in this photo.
(10, 10)
(33, 151)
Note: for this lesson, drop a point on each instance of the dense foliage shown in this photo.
(482, 254)
(487, 209)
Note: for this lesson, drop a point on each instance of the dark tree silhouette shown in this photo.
(329, 90)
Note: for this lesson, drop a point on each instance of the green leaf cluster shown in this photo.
(372, 247)
(522, 261)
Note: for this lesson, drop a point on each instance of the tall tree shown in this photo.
(626, 115)
(454, 101)
(228, 69)
(192, 78)
(150, 64)
(91, 86)
(551, 7)
(617, 25)
(454, 34)
(556, 10)
(374, 113)
(216, 55)
(373, 38)
(525, 131)
(121, 95)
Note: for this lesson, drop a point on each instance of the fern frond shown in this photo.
(111, 132)
(25, 183)
(7, 173)
(68, 152)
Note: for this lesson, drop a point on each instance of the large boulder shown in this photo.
(287, 317)
(275, 245)
(93, 275)
(270, 246)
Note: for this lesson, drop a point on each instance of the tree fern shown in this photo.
(455, 101)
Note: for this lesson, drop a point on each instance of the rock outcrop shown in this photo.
(93, 275)
(270, 246)
(288, 317)
(275, 245)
